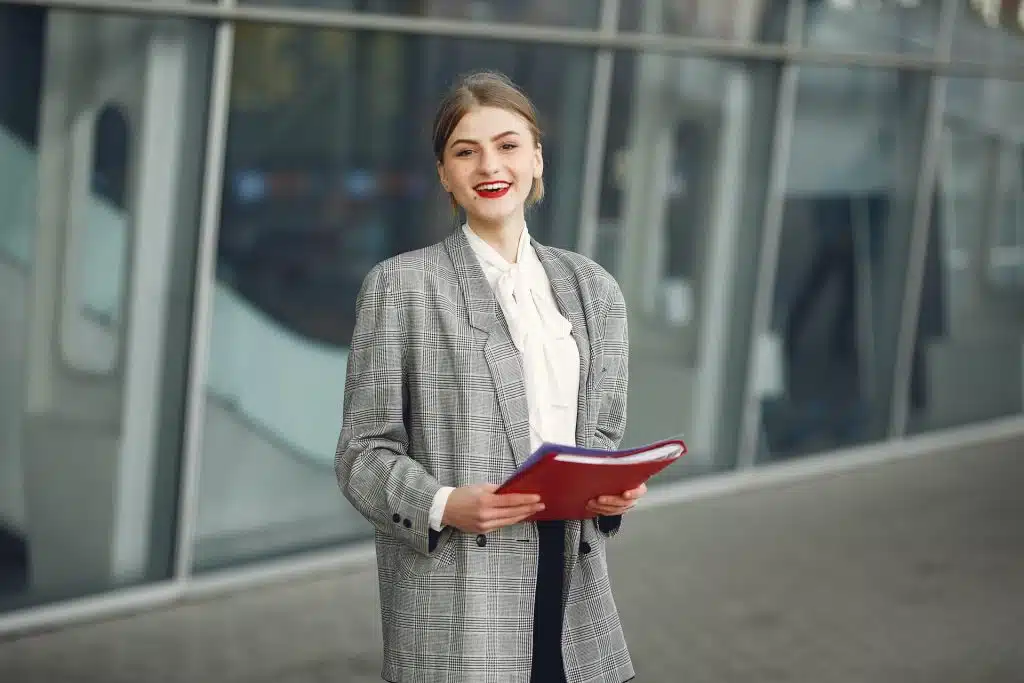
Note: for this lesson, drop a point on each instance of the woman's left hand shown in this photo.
(616, 505)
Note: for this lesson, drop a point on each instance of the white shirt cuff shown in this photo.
(437, 507)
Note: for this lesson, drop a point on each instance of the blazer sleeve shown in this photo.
(613, 387)
(372, 463)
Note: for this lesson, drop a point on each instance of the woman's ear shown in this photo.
(443, 177)
(538, 161)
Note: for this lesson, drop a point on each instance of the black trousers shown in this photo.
(548, 666)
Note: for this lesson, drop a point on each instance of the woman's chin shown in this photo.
(494, 215)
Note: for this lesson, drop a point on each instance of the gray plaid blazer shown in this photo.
(434, 396)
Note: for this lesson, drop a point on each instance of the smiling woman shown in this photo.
(466, 356)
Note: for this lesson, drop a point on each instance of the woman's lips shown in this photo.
(492, 190)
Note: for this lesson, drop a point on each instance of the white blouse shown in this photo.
(550, 357)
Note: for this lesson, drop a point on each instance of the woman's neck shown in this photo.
(503, 237)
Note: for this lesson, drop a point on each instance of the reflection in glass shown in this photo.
(92, 307)
(875, 26)
(98, 205)
(729, 20)
(680, 208)
(21, 40)
(846, 221)
(329, 170)
(574, 13)
(989, 31)
(1004, 247)
(971, 323)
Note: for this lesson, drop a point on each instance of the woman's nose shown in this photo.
(488, 162)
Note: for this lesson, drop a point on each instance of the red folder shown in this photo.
(567, 477)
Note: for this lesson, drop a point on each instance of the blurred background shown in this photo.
(815, 209)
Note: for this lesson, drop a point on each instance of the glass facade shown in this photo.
(325, 176)
(731, 21)
(688, 144)
(970, 330)
(894, 27)
(846, 219)
(576, 14)
(990, 32)
(818, 249)
(101, 146)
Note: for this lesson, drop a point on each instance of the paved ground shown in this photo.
(911, 571)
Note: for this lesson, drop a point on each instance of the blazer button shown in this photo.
(406, 523)
(396, 518)
(481, 540)
(584, 547)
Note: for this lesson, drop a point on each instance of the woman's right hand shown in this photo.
(478, 509)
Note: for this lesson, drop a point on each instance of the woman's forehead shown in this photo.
(483, 123)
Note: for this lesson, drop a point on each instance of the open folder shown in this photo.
(566, 477)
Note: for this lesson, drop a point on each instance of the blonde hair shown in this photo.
(484, 89)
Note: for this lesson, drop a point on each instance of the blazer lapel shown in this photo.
(567, 295)
(502, 357)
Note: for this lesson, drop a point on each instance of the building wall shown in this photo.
(800, 280)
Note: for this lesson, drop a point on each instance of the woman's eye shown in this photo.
(463, 152)
(509, 146)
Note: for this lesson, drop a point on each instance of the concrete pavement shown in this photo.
(909, 571)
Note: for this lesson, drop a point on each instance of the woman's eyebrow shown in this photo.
(467, 141)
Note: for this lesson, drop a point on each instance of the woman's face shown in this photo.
(490, 162)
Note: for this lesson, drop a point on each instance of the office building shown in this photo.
(815, 210)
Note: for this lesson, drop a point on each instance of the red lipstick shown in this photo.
(492, 190)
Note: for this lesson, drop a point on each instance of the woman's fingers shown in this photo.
(601, 507)
(508, 500)
(497, 517)
(501, 510)
(504, 521)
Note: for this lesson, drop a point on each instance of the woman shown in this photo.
(465, 356)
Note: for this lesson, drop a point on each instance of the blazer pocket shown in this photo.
(412, 563)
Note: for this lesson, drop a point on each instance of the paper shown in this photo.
(660, 453)
(598, 455)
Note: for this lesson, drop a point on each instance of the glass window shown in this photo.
(743, 21)
(329, 171)
(824, 373)
(969, 353)
(96, 243)
(95, 293)
(875, 26)
(575, 14)
(1004, 250)
(687, 156)
(990, 31)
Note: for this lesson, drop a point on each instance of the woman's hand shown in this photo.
(477, 509)
(616, 505)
